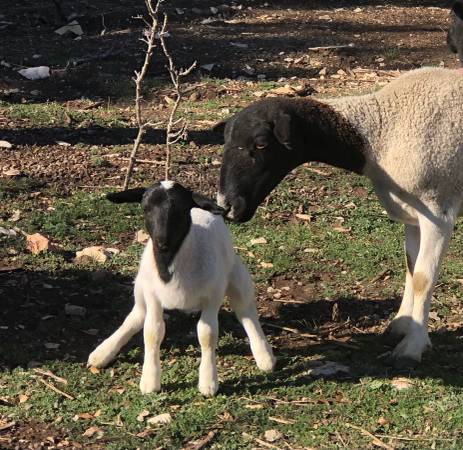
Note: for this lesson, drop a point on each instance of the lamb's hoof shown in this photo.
(100, 357)
(266, 363)
(209, 389)
(149, 384)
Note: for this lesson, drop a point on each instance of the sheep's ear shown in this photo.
(457, 8)
(129, 196)
(207, 204)
(220, 126)
(282, 129)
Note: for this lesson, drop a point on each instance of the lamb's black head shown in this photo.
(455, 33)
(167, 209)
(260, 149)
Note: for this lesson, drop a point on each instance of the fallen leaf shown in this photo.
(36, 243)
(327, 368)
(306, 217)
(254, 406)
(11, 173)
(382, 421)
(51, 345)
(272, 435)
(83, 416)
(95, 253)
(256, 241)
(142, 415)
(284, 90)
(8, 232)
(341, 229)
(15, 216)
(5, 144)
(23, 398)
(74, 310)
(141, 236)
(72, 27)
(163, 419)
(94, 370)
(401, 383)
(90, 432)
(35, 73)
(266, 265)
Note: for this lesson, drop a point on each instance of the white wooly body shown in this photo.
(204, 270)
(201, 267)
(413, 130)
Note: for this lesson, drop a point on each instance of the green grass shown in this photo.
(350, 254)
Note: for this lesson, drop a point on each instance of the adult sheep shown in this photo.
(455, 33)
(407, 138)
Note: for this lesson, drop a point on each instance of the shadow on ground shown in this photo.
(33, 316)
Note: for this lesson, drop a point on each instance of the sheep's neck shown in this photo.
(328, 137)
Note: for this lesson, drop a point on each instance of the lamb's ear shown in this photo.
(220, 126)
(207, 204)
(457, 8)
(129, 196)
(282, 129)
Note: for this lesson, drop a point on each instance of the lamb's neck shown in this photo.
(333, 132)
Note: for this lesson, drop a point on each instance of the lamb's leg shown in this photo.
(208, 331)
(109, 348)
(241, 295)
(400, 324)
(435, 234)
(153, 334)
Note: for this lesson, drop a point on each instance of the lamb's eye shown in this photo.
(260, 146)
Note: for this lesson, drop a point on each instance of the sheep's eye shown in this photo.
(260, 146)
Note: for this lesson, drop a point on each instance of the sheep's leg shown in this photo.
(109, 348)
(241, 295)
(208, 332)
(399, 326)
(435, 235)
(153, 334)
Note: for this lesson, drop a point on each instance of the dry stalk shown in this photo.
(176, 128)
(149, 39)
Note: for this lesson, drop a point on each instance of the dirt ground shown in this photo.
(236, 46)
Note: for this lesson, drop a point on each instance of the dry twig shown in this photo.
(378, 442)
(54, 388)
(173, 135)
(149, 40)
(47, 373)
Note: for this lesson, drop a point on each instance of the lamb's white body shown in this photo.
(413, 129)
(205, 269)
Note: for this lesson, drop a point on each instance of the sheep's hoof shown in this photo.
(266, 363)
(149, 384)
(404, 362)
(396, 330)
(408, 352)
(209, 390)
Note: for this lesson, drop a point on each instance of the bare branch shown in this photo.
(149, 40)
(173, 136)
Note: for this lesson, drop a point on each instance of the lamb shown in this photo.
(188, 264)
(406, 138)
(455, 33)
